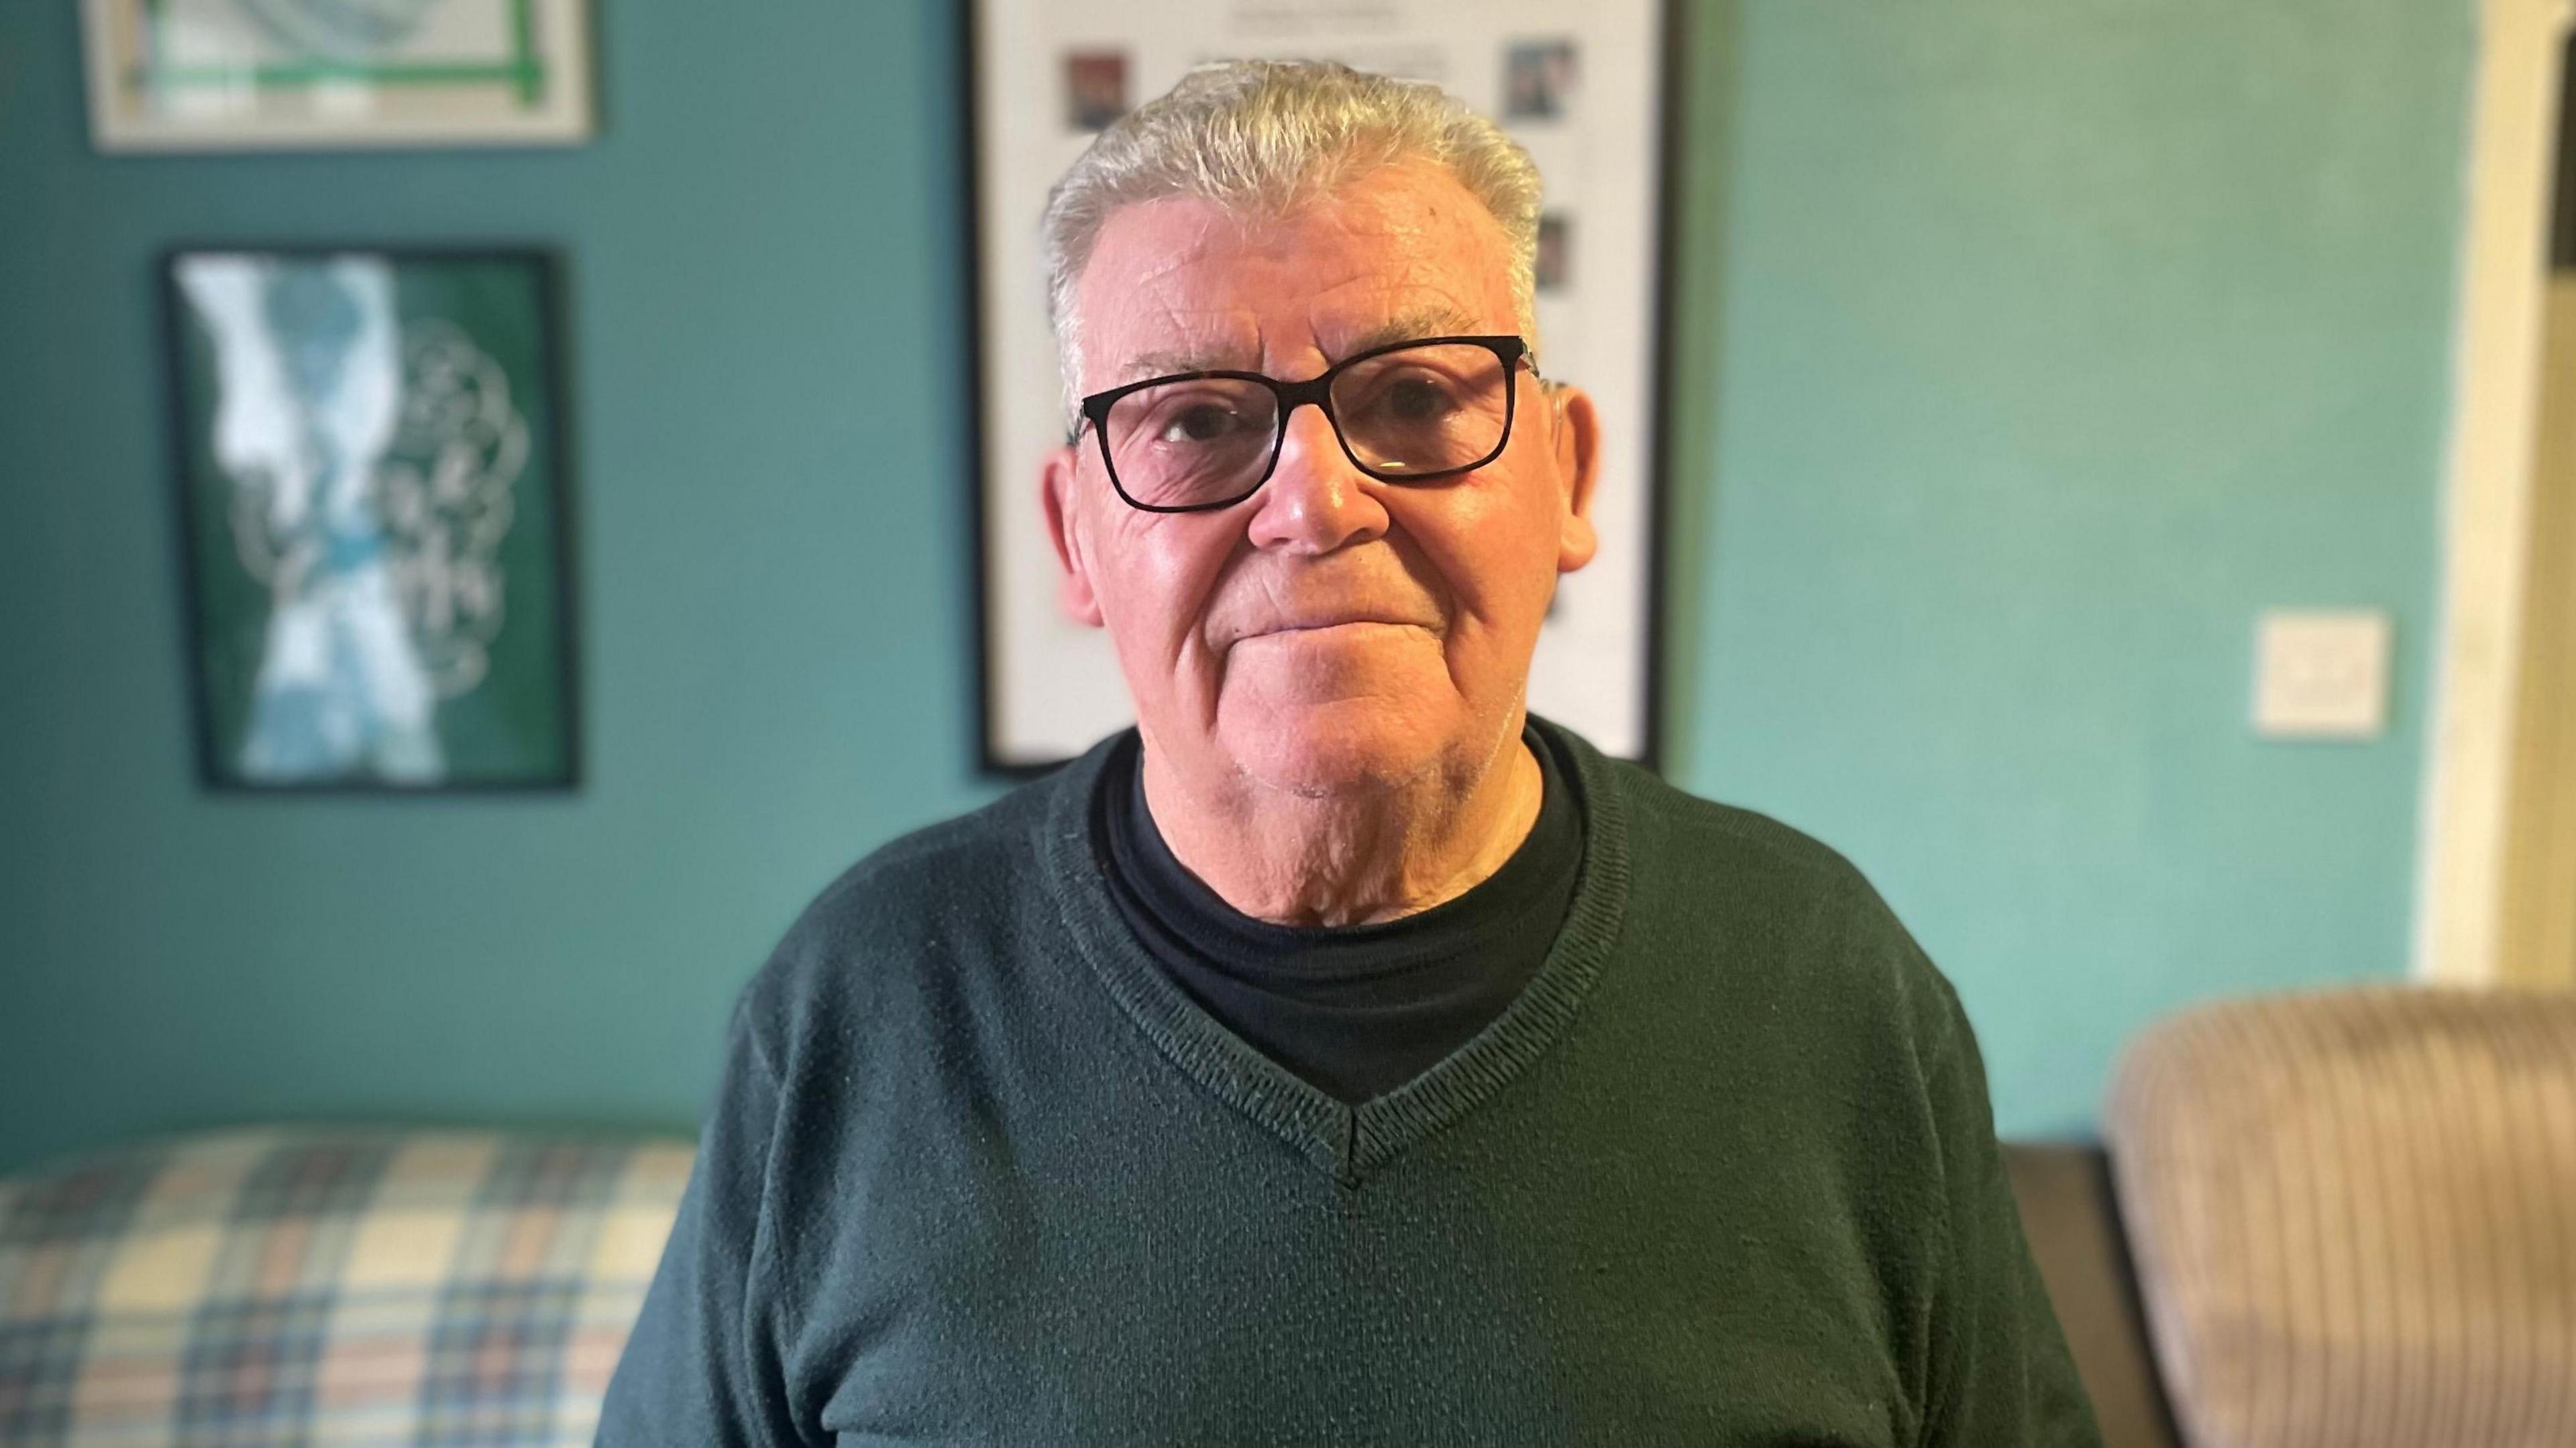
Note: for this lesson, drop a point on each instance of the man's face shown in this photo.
(1332, 632)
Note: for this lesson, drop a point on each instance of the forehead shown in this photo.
(1181, 283)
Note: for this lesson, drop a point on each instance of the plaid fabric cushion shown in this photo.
(328, 1287)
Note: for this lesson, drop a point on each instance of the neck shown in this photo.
(1348, 857)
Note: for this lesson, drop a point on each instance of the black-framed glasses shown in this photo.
(1408, 412)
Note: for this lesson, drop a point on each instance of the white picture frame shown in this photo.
(1583, 88)
(256, 75)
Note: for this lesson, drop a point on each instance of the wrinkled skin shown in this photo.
(1330, 676)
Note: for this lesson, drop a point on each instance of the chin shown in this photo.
(1337, 746)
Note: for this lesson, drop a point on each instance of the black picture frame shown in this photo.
(534, 745)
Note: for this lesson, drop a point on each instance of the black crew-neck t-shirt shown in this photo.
(1356, 1010)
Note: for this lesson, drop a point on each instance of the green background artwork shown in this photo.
(462, 506)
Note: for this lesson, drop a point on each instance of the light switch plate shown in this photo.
(2321, 674)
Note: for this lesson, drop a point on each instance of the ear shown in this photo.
(1055, 496)
(1577, 439)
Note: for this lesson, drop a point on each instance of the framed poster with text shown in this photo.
(1580, 87)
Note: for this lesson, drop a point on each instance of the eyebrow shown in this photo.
(1167, 364)
(1432, 321)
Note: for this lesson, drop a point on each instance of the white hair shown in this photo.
(1263, 137)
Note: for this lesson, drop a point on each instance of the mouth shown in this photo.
(1327, 628)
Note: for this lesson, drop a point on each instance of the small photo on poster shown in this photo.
(1555, 262)
(1538, 79)
(1095, 88)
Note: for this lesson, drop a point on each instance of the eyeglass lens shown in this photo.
(1418, 410)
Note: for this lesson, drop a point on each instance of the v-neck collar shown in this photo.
(1344, 1140)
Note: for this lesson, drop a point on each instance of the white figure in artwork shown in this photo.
(308, 358)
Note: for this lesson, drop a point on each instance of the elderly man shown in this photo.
(1341, 1055)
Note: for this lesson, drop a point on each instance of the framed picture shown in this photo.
(1580, 87)
(373, 520)
(181, 75)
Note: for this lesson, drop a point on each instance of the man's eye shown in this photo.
(1417, 399)
(1203, 422)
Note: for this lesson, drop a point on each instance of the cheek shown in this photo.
(1161, 572)
(1494, 548)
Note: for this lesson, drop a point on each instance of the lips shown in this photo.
(1321, 623)
(1314, 625)
(1320, 599)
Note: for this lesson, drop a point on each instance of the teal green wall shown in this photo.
(2039, 347)
(2026, 352)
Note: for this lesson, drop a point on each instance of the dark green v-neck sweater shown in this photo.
(980, 1173)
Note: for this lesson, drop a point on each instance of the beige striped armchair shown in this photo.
(2339, 1219)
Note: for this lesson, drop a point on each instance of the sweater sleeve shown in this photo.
(704, 1365)
(2001, 1373)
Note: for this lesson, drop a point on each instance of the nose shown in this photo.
(1315, 501)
